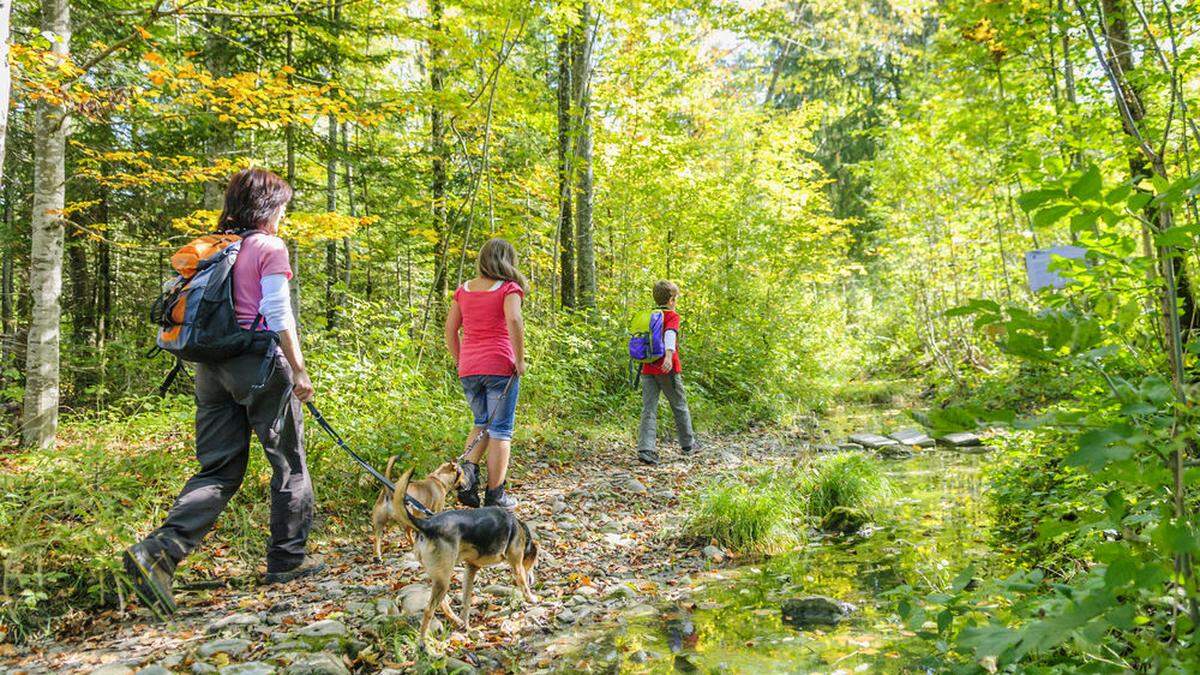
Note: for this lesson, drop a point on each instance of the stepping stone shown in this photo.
(848, 447)
(826, 447)
(895, 452)
(815, 610)
(962, 439)
(913, 437)
(872, 441)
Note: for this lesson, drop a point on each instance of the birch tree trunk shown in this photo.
(581, 69)
(39, 417)
(5, 78)
(331, 261)
(566, 244)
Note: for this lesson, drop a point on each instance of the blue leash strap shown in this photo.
(362, 462)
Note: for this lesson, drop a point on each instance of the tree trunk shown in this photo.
(218, 57)
(105, 273)
(39, 418)
(331, 253)
(581, 71)
(5, 78)
(566, 242)
(6, 273)
(1120, 63)
(290, 138)
(81, 288)
(437, 147)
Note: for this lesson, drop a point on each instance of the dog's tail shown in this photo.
(402, 513)
(387, 472)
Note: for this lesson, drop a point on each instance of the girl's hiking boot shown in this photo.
(152, 575)
(496, 497)
(468, 494)
(307, 567)
(648, 457)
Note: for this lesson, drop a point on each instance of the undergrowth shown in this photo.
(745, 515)
(847, 480)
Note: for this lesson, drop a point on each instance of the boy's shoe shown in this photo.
(648, 457)
(496, 497)
(468, 494)
(151, 575)
(307, 567)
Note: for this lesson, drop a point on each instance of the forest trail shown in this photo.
(600, 521)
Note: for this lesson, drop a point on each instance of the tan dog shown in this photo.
(431, 492)
(478, 538)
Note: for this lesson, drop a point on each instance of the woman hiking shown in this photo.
(491, 359)
(231, 403)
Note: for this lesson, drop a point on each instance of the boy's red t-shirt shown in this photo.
(486, 345)
(670, 322)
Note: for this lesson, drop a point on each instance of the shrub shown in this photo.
(745, 516)
(851, 480)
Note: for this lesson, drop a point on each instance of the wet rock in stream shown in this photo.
(815, 610)
(962, 439)
(844, 520)
(873, 441)
(913, 437)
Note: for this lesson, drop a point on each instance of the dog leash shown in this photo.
(362, 462)
(491, 418)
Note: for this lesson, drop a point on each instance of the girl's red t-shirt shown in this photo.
(486, 346)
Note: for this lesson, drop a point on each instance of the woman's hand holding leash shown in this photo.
(302, 386)
(520, 367)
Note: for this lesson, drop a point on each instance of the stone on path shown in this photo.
(413, 598)
(323, 629)
(113, 669)
(154, 669)
(251, 668)
(500, 590)
(961, 439)
(872, 441)
(913, 437)
(821, 447)
(321, 663)
(238, 620)
(629, 483)
(234, 647)
(849, 446)
(815, 610)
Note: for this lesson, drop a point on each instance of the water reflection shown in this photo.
(936, 527)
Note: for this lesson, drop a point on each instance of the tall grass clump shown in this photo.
(746, 516)
(851, 481)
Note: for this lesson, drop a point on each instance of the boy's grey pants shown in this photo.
(672, 386)
(227, 410)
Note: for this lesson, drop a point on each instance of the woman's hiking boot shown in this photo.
(648, 457)
(310, 565)
(152, 575)
(468, 494)
(496, 497)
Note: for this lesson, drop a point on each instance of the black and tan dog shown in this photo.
(479, 538)
(431, 492)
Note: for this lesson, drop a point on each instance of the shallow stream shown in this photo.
(730, 620)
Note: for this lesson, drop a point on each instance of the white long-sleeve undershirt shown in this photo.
(276, 303)
(669, 340)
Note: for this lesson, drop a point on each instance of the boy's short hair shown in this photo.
(664, 291)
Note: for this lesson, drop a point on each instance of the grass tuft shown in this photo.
(745, 516)
(851, 480)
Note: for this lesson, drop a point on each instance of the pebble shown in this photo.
(459, 667)
(730, 458)
(155, 669)
(386, 607)
(622, 592)
(587, 591)
(202, 668)
(714, 554)
(558, 507)
(566, 616)
(323, 629)
(234, 647)
(321, 663)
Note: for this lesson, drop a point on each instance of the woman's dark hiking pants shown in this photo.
(227, 410)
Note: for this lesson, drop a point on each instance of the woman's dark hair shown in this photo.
(252, 199)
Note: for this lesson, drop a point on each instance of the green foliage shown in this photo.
(847, 480)
(750, 514)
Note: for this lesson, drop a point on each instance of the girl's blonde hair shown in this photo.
(498, 260)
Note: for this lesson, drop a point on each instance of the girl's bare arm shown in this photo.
(516, 328)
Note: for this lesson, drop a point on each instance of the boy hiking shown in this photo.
(664, 376)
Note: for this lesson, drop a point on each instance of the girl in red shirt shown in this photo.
(490, 353)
